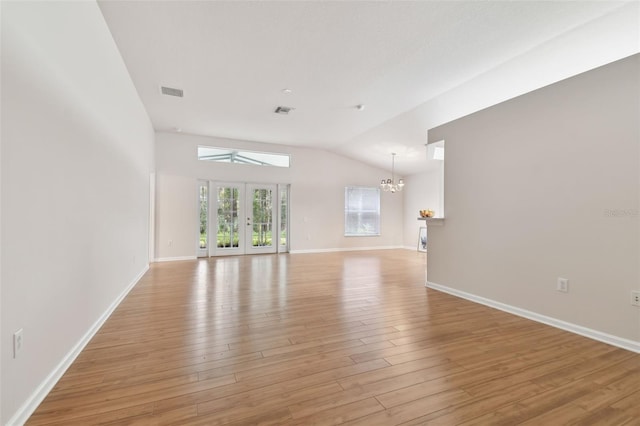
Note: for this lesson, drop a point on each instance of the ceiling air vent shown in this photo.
(283, 110)
(170, 91)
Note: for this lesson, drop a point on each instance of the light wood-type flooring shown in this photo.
(332, 338)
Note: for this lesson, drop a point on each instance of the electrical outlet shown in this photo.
(17, 343)
(563, 285)
(635, 298)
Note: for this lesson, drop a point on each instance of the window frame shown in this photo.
(348, 212)
(243, 156)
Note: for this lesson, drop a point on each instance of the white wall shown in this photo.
(77, 149)
(317, 179)
(601, 41)
(530, 187)
(422, 192)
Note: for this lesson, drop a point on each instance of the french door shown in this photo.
(243, 218)
(261, 207)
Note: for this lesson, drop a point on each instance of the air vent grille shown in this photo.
(283, 110)
(170, 91)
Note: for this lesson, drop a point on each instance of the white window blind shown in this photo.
(361, 211)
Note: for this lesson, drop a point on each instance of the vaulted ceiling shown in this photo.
(412, 65)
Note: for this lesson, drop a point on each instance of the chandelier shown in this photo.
(390, 184)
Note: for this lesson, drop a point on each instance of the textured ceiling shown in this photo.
(412, 64)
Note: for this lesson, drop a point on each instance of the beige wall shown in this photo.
(530, 185)
(317, 179)
(77, 149)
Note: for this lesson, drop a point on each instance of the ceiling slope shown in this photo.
(413, 65)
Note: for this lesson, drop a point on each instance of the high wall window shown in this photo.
(226, 155)
(361, 211)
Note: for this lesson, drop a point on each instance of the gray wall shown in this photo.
(543, 186)
(421, 192)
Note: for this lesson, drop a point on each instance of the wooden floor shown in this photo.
(336, 338)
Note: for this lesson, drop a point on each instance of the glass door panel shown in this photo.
(228, 231)
(203, 218)
(261, 215)
(283, 228)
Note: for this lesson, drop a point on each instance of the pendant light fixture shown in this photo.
(390, 185)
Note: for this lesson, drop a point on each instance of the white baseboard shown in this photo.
(620, 342)
(412, 248)
(172, 259)
(331, 250)
(30, 405)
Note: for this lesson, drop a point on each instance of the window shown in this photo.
(284, 215)
(228, 217)
(226, 155)
(361, 211)
(203, 190)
